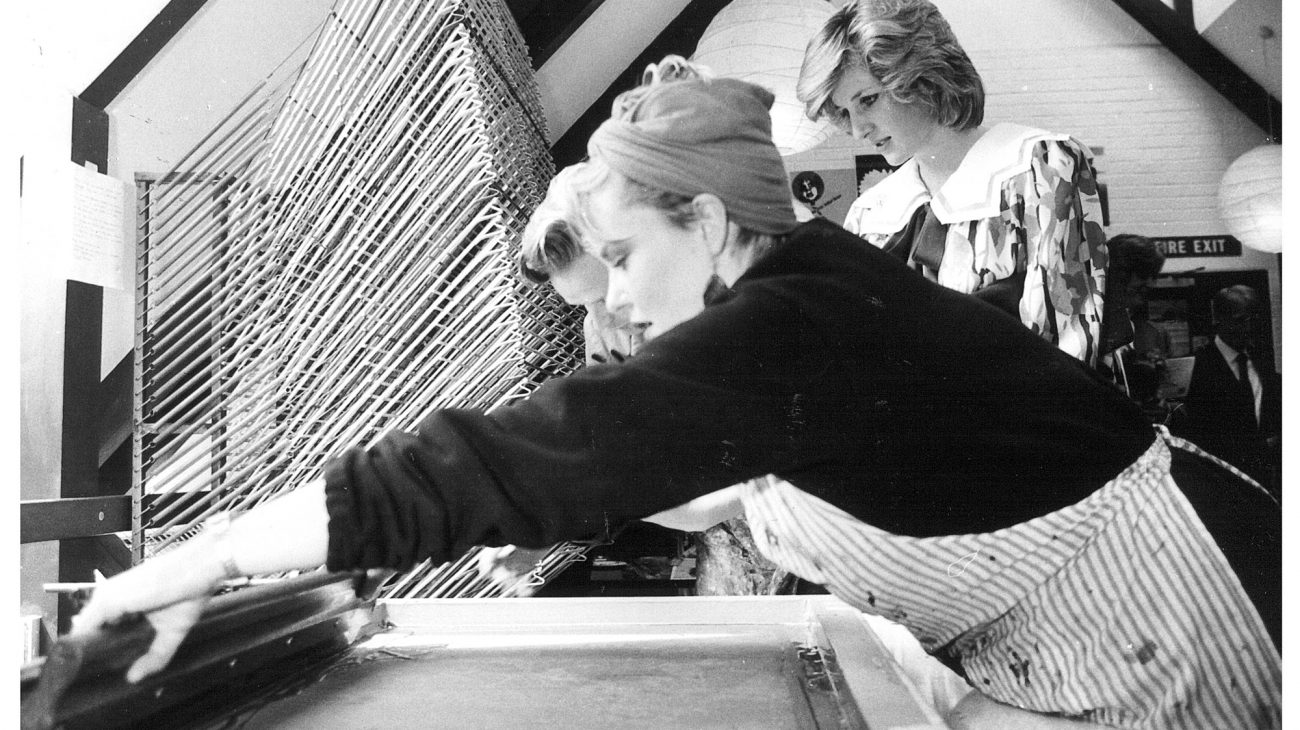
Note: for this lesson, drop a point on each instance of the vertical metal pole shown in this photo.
(143, 187)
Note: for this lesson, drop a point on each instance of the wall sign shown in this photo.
(871, 169)
(823, 193)
(1189, 246)
(808, 188)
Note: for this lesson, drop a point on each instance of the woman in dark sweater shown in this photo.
(918, 452)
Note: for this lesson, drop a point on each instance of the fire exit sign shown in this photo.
(1188, 246)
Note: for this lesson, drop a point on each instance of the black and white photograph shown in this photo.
(589, 364)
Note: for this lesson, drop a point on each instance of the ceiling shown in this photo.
(585, 51)
(1235, 45)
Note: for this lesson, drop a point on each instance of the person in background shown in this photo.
(1133, 350)
(1233, 406)
(911, 448)
(727, 562)
(1006, 212)
(549, 253)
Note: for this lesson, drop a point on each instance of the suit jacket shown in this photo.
(1219, 420)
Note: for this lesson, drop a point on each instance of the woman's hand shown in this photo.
(171, 625)
(170, 590)
(289, 532)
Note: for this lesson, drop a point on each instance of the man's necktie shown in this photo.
(1247, 391)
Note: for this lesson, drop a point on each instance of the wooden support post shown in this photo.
(83, 331)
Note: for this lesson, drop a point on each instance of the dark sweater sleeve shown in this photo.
(694, 412)
(917, 409)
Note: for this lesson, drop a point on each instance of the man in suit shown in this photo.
(1233, 407)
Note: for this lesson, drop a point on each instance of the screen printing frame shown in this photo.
(308, 653)
(601, 662)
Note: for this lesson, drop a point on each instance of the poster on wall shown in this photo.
(809, 188)
(871, 169)
(828, 193)
(823, 194)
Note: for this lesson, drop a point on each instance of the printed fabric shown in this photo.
(1023, 203)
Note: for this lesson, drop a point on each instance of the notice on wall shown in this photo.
(95, 251)
(1176, 377)
(75, 220)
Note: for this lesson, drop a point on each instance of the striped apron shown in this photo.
(1119, 609)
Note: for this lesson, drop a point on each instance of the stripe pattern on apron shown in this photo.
(1119, 609)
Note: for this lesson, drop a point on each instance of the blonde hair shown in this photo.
(908, 46)
(671, 68)
(678, 208)
(550, 243)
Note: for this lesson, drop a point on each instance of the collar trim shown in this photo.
(972, 192)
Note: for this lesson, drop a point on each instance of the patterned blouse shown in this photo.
(1023, 203)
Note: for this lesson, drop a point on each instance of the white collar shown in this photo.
(972, 192)
(1228, 351)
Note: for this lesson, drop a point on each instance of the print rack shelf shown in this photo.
(649, 662)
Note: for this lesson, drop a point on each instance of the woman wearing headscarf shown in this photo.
(1006, 212)
(726, 561)
(1088, 571)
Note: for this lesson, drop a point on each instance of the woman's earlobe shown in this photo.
(711, 216)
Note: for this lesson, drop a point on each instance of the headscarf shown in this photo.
(702, 136)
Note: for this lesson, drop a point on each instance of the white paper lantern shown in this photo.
(1250, 198)
(762, 41)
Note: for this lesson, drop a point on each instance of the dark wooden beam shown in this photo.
(547, 24)
(82, 335)
(114, 419)
(1180, 37)
(679, 37)
(83, 331)
(41, 520)
(140, 51)
(114, 409)
(59, 519)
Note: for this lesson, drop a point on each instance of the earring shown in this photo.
(715, 289)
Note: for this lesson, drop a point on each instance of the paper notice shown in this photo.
(95, 252)
(1176, 377)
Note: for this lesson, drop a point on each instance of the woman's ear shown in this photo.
(711, 217)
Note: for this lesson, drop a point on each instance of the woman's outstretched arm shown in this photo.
(287, 533)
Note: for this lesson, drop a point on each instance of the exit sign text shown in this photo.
(1189, 246)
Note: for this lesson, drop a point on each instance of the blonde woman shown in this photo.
(1006, 212)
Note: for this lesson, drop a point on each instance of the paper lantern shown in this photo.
(762, 41)
(1250, 199)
